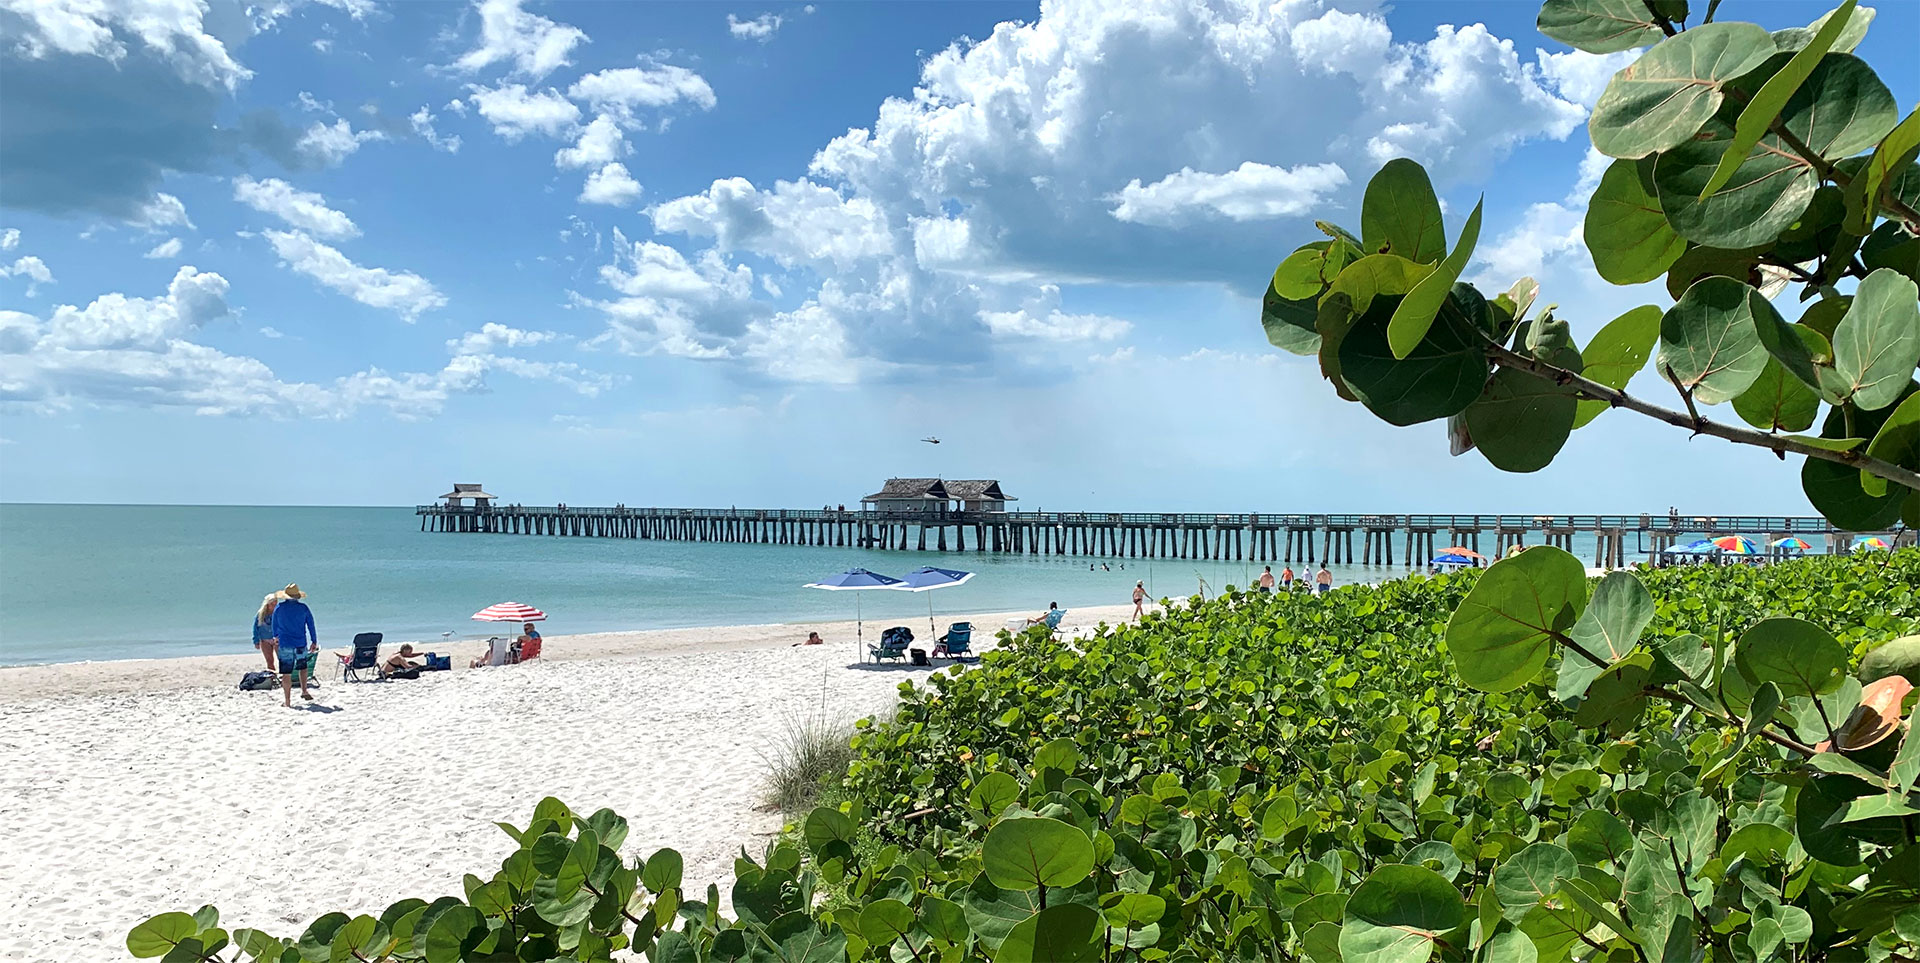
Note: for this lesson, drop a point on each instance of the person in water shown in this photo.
(294, 634)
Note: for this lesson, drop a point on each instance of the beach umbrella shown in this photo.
(926, 579)
(855, 580)
(509, 612)
(1700, 546)
(1792, 543)
(1452, 558)
(1464, 552)
(1736, 544)
(1871, 541)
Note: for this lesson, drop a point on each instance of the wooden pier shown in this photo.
(1381, 540)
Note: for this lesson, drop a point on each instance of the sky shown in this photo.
(710, 254)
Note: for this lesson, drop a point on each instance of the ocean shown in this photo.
(97, 582)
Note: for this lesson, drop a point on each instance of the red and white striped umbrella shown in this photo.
(509, 612)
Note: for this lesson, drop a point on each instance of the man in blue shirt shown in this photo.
(293, 627)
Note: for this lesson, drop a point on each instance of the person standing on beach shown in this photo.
(1139, 600)
(263, 631)
(1322, 580)
(1266, 580)
(293, 629)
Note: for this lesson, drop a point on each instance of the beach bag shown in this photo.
(439, 663)
(256, 680)
(405, 674)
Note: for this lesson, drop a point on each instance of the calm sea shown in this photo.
(88, 582)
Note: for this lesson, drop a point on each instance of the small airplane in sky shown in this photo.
(931, 440)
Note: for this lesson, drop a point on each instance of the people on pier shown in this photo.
(295, 636)
(263, 631)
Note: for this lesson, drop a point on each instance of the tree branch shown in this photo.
(1508, 358)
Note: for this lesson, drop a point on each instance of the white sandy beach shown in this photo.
(133, 788)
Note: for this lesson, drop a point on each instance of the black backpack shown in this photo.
(257, 680)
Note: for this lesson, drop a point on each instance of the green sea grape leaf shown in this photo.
(1531, 877)
(1599, 26)
(1400, 214)
(1504, 630)
(1895, 153)
(1349, 299)
(885, 920)
(993, 794)
(1798, 656)
(1443, 374)
(662, 871)
(158, 935)
(1617, 353)
(1416, 312)
(1520, 422)
(1709, 342)
(944, 920)
(1397, 914)
(1778, 401)
(1662, 99)
(797, 938)
(1029, 853)
(1767, 103)
(1877, 344)
(1068, 933)
(1611, 626)
(1509, 946)
(1626, 232)
(1307, 272)
(1618, 697)
(1835, 492)
(1598, 836)
(1897, 443)
(1289, 324)
(1841, 109)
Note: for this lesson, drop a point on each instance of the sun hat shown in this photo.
(292, 591)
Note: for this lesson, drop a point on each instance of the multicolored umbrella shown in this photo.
(1792, 543)
(1463, 551)
(1736, 544)
(1871, 541)
(509, 612)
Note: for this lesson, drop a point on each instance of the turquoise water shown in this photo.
(90, 582)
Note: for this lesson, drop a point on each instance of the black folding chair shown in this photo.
(366, 657)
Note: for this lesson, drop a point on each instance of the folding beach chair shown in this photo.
(893, 644)
(365, 658)
(957, 643)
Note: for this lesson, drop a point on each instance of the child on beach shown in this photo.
(293, 631)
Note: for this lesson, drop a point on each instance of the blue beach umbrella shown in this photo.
(855, 580)
(1699, 546)
(1452, 559)
(926, 579)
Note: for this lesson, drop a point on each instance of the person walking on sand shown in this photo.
(294, 632)
(263, 631)
(1322, 580)
(1140, 600)
(1266, 580)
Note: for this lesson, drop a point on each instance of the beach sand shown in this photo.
(133, 788)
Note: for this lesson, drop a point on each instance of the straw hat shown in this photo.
(292, 591)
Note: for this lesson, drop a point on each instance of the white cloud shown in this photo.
(422, 121)
(173, 29)
(797, 222)
(327, 145)
(323, 45)
(160, 212)
(493, 336)
(514, 112)
(600, 143)
(271, 332)
(1580, 76)
(165, 250)
(403, 292)
(1249, 192)
(622, 91)
(761, 28)
(31, 268)
(311, 104)
(610, 185)
(305, 210)
(1549, 233)
(533, 44)
(125, 351)
(1040, 318)
(9, 239)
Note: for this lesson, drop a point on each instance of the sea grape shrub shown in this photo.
(1299, 778)
(1746, 163)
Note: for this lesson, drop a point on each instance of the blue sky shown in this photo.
(347, 252)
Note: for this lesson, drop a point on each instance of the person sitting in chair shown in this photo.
(1046, 616)
(526, 648)
(401, 665)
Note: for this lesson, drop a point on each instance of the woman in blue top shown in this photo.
(263, 630)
